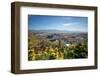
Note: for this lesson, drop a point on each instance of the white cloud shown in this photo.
(69, 24)
(73, 27)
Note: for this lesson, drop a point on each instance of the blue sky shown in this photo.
(68, 23)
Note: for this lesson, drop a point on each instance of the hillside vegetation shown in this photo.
(42, 46)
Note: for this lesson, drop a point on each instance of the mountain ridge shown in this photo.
(56, 31)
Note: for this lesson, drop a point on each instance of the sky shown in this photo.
(68, 23)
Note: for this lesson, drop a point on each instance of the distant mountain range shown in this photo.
(56, 31)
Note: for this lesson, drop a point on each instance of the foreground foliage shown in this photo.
(44, 49)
